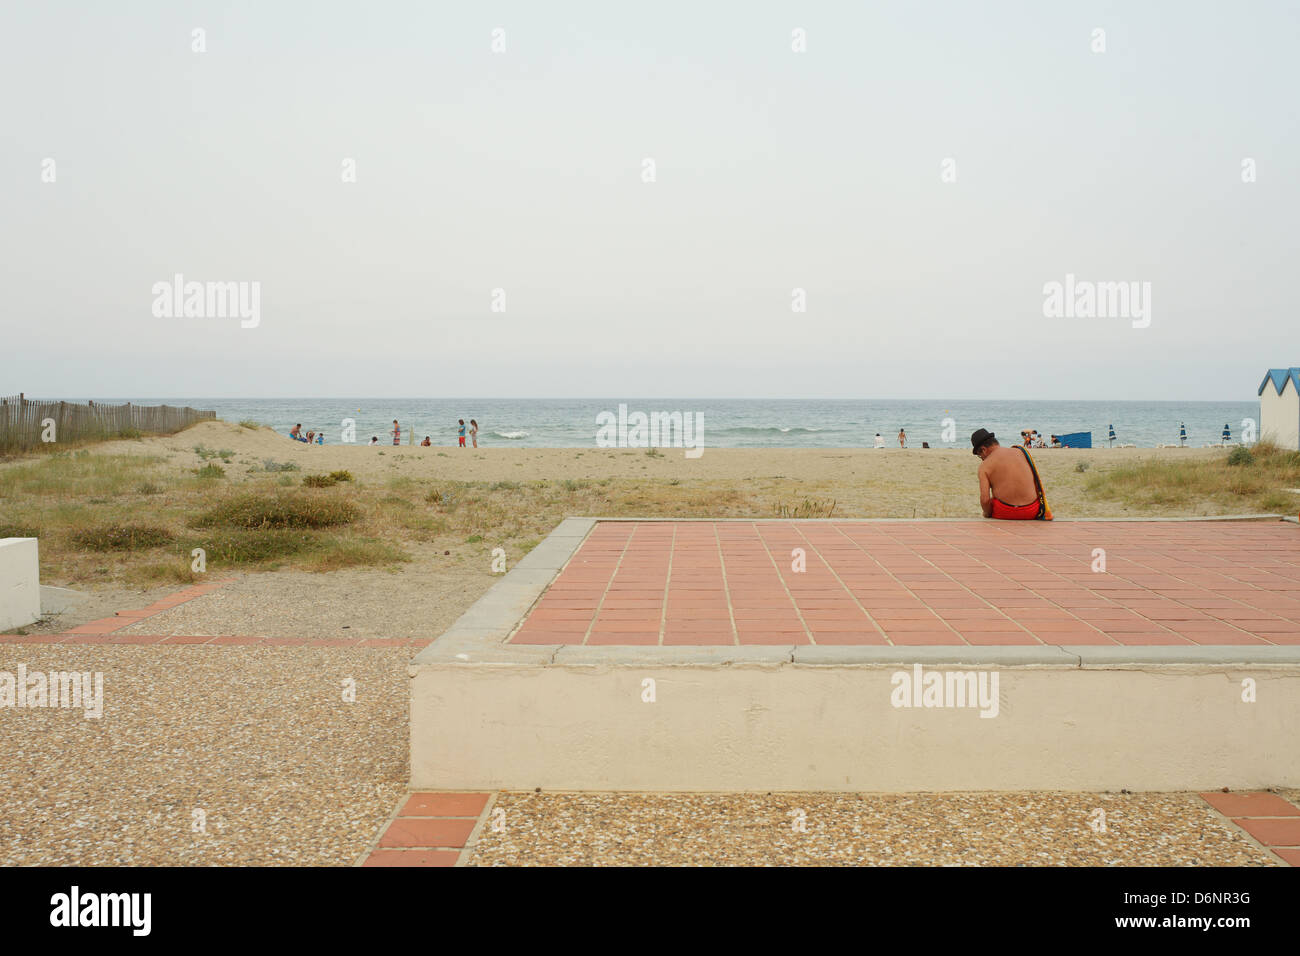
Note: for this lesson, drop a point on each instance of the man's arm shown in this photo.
(986, 492)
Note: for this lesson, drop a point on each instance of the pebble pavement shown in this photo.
(801, 829)
(259, 739)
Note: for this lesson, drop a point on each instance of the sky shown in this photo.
(920, 170)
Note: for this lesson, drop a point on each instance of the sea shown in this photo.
(743, 423)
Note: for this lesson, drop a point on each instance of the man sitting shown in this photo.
(1007, 476)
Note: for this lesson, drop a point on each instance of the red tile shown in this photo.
(432, 804)
(418, 832)
(1251, 805)
(1272, 832)
(637, 638)
(922, 638)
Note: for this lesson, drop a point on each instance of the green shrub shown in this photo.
(230, 547)
(331, 554)
(248, 423)
(1240, 456)
(133, 433)
(269, 465)
(342, 475)
(254, 510)
(1082, 466)
(319, 481)
(211, 470)
(120, 537)
(148, 488)
(19, 531)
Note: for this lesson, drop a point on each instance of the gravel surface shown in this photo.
(257, 737)
(962, 829)
(420, 600)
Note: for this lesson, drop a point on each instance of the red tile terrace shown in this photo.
(919, 583)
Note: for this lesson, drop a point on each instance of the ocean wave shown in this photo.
(513, 436)
(764, 429)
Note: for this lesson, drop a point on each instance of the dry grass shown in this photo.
(1242, 482)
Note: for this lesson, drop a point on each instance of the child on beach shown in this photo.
(461, 433)
(397, 433)
(426, 443)
(902, 438)
(473, 432)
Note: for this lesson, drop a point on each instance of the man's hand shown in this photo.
(986, 492)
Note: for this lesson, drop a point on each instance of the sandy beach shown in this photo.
(866, 482)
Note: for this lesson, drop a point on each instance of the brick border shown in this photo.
(1267, 820)
(430, 828)
(105, 630)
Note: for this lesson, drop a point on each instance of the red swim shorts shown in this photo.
(1015, 512)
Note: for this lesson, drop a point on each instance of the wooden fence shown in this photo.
(25, 423)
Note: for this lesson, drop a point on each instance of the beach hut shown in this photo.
(1279, 407)
(1112, 436)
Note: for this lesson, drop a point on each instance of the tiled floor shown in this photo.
(1268, 818)
(429, 829)
(913, 583)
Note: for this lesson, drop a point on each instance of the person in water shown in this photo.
(1008, 478)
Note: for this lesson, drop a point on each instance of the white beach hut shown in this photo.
(1279, 407)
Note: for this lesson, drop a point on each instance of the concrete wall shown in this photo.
(786, 726)
(1279, 415)
(20, 584)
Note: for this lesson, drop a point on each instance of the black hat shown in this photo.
(981, 437)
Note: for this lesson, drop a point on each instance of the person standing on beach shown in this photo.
(461, 433)
(397, 433)
(473, 432)
(902, 438)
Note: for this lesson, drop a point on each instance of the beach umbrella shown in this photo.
(1182, 434)
(1227, 433)
(1112, 434)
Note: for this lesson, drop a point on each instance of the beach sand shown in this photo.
(865, 482)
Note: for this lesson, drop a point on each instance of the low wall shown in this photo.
(20, 584)
(790, 726)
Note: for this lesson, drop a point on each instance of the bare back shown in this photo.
(1005, 475)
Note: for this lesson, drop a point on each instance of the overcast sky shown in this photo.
(523, 170)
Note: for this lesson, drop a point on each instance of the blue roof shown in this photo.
(1279, 377)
